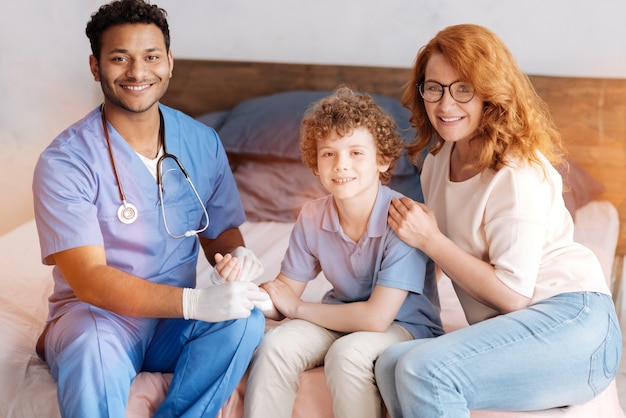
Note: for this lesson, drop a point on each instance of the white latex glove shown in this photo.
(268, 308)
(251, 266)
(230, 300)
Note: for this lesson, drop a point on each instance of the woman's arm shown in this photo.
(416, 225)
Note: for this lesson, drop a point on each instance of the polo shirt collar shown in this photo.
(377, 224)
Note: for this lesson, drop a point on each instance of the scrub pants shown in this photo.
(94, 355)
(298, 345)
(560, 351)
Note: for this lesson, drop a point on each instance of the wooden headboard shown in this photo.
(591, 112)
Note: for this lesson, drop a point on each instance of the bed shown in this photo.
(255, 107)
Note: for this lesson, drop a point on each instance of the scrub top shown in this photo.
(77, 197)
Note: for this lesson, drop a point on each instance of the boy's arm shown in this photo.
(376, 314)
(290, 292)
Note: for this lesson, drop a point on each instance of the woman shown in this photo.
(543, 330)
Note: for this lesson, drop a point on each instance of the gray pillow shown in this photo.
(268, 127)
(214, 119)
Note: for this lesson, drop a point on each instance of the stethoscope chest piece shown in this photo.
(127, 213)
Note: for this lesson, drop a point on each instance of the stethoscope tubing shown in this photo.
(193, 188)
(127, 212)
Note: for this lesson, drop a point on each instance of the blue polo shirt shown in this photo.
(318, 244)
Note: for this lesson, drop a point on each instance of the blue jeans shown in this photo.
(94, 355)
(560, 351)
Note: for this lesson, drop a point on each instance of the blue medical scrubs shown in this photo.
(94, 354)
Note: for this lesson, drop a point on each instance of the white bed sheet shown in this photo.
(27, 390)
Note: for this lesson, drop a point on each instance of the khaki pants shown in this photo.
(299, 345)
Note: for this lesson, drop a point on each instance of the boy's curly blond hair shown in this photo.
(343, 112)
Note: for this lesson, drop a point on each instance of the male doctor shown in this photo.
(124, 199)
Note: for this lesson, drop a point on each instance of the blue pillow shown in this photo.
(214, 119)
(268, 127)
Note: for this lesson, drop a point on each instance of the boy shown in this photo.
(384, 291)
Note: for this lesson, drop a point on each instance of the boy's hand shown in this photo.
(227, 269)
(268, 308)
(285, 301)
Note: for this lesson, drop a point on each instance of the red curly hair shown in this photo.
(516, 121)
(343, 112)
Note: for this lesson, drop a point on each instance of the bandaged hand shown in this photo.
(230, 300)
(283, 298)
(251, 266)
(268, 308)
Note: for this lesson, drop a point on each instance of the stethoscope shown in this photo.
(127, 212)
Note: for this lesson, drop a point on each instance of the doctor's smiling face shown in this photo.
(134, 67)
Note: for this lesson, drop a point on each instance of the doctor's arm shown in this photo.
(225, 243)
(94, 282)
(230, 241)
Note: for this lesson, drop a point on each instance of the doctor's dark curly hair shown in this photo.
(342, 113)
(122, 12)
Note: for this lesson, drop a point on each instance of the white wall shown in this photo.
(45, 83)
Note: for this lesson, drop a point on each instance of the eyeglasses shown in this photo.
(432, 91)
(178, 168)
